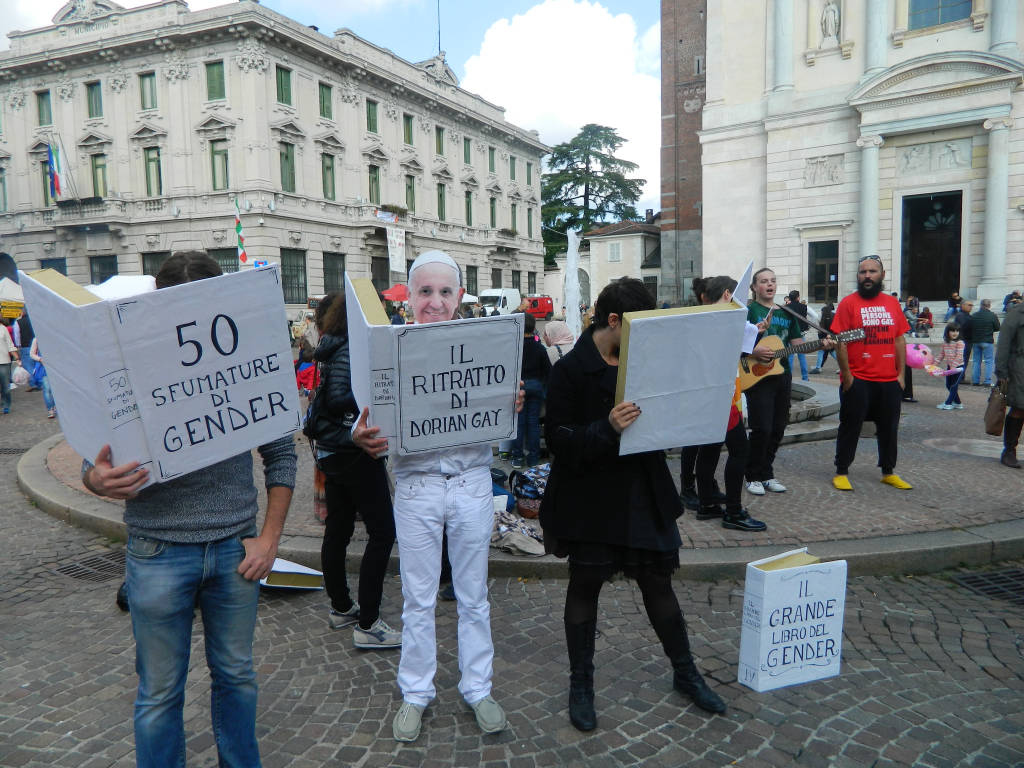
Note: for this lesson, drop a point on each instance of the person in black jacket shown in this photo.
(610, 513)
(536, 367)
(355, 482)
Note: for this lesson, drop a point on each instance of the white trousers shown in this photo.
(425, 506)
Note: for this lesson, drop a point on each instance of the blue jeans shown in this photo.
(6, 369)
(823, 357)
(984, 351)
(803, 365)
(953, 386)
(529, 422)
(164, 582)
(47, 393)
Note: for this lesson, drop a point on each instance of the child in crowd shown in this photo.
(951, 356)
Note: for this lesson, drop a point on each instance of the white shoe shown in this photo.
(756, 487)
(380, 635)
(774, 486)
(406, 725)
(339, 619)
(958, 406)
(944, 407)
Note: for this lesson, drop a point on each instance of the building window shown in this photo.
(98, 164)
(327, 175)
(529, 174)
(517, 280)
(380, 273)
(154, 182)
(60, 265)
(531, 282)
(529, 222)
(3, 190)
(440, 202)
(371, 116)
(407, 128)
(651, 284)
(219, 163)
(152, 261)
(931, 13)
(438, 140)
(469, 208)
(490, 159)
(614, 252)
(493, 204)
(410, 193)
(698, 65)
(293, 276)
(215, 81)
(102, 268)
(43, 108)
(471, 280)
(374, 180)
(287, 154)
(226, 258)
(514, 215)
(467, 151)
(147, 90)
(334, 272)
(823, 271)
(284, 85)
(94, 99)
(326, 103)
(512, 167)
(496, 277)
(44, 168)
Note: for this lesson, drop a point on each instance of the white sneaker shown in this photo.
(339, 619)
(380, 635)
(944, 407)
(958, 406)
(774, 486)
(406, 725)
(756, 487)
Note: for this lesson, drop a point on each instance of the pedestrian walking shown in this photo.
(43, 379)
(794, 303)
(871, 372)
(607, 513)
(984, 324)
(9, 357)
(827, 313)
(354, 484)
(1010, 373)
(951, 356)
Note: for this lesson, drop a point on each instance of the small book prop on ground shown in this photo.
(176, 379)
(792, 620)
(288, 575)
(433, 385)
(679, 366)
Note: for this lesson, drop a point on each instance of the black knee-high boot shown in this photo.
(579, 638)
(686, 679)
(1011, 434)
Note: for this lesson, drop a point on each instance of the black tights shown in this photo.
(585, 589)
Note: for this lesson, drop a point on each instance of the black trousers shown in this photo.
(877, 401)
(707, 460)
(687, 462)
(355, 482)
(767, 416)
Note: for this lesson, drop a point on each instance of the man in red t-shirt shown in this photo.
(871, 372)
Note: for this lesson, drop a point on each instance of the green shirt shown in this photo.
(784, 325)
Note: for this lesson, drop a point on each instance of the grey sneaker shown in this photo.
(380, 635)
(406, 725)
(489, 715)
(339, 619)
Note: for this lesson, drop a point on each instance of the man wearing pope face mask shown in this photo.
(446, 490)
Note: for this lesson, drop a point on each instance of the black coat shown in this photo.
(336, 403)
(593, 494)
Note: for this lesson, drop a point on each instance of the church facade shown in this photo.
(834, 129)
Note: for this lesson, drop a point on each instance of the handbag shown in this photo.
(995, 412)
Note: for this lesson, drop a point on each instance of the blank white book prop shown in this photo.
(433, 385)
(176, 379)
(792, 629)
(285, 574)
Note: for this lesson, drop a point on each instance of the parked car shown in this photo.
(541, 307)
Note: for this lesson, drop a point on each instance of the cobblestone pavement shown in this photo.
(932, 675)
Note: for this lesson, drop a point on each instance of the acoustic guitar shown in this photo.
(753, 370)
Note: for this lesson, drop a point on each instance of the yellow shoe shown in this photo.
(842, 483)
(896, 482)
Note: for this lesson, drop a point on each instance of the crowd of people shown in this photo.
(194, 540)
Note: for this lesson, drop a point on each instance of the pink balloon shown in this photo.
(918, 355)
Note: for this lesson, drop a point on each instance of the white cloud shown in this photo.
(565, 63)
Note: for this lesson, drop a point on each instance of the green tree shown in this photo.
(586, 184)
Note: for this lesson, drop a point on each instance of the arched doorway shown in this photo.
(7, 267)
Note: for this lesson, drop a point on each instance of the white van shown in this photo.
(507, 300)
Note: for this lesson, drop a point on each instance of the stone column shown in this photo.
(993, 273)
(1003, 24)
(876, 17)
(783, 69)
(869, 146)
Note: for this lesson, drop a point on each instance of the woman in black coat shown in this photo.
(608, 513)
(354, 483)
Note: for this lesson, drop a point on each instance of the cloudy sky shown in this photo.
(554, 65)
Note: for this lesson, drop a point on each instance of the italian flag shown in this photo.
(53, 166)
(243, 257)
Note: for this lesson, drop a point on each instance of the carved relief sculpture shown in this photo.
(118, 78)
(823, 171)
(177, 68)
(66, 89)
(934, 156)
(252, 55)
(16, 99)
(830, 24)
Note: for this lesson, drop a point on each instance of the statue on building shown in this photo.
(830, 23)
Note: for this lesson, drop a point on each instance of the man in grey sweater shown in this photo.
(193, 541)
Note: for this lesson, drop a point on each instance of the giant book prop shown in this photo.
(434, 385)
(176, 379)
(679, 366)
(792, 620)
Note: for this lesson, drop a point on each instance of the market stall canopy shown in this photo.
(397, 292)
(11, 291)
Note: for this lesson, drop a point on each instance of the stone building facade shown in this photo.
(165, 119)
(835, 129)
